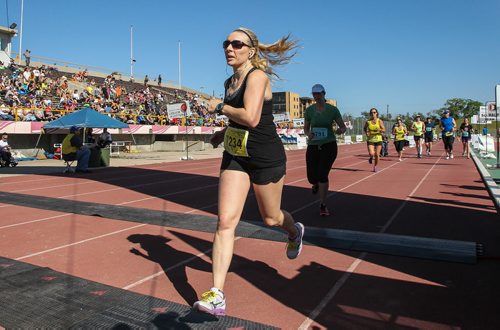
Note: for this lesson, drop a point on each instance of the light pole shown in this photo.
(180, 83)
(21, 33)
(131, 53)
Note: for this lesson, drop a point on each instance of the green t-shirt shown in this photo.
(322, 123)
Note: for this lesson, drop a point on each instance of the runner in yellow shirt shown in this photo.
(374, 128)
(399, 132)
(418, 128)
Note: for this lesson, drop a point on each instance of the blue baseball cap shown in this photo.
(318, 88)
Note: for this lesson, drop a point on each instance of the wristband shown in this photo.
(219, 107)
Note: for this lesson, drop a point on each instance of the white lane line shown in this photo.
(123, 203)
(340, 283)
(152, 167)
(164, 271)
(169, 194)
(346, 187)
(92, 181)
(150, 277)
(36, 220)
(77, 243)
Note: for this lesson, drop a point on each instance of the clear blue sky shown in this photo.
(410, 54)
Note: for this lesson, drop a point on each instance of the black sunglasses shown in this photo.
(237, 44)
(373, 111)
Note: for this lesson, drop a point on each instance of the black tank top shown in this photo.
(264, 145)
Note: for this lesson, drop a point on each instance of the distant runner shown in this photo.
(448, 128)
(374, 128)
(418, 128)
(466, 130)
(321, 152)
(399, 132)
(429, 135)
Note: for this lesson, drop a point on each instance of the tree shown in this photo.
(461, 108)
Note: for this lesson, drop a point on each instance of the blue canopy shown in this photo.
(85, 118)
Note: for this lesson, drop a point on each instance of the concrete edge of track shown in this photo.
(491, 185)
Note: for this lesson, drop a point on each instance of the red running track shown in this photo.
(428, 197)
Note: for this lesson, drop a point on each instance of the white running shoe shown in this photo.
(212, 302)
(294, 246)
(451, 155)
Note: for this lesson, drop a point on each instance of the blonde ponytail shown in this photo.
(268, 56)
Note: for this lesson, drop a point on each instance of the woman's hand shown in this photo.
(217, 138)
(212, 103)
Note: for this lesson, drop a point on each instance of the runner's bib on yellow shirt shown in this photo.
(235, 141)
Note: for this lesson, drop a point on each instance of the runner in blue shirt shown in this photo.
(448, 128)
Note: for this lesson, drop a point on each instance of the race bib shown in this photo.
(428, 129)
(235, 141)
(465, 134)
(449, 134)
(320, 133)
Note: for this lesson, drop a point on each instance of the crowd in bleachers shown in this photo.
(44, 94)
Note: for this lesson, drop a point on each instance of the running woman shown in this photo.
(374, 128)
(399, 132)
(448, 128)
(418, 128)
(321, 152)
(253, 157)
(429, 135)
(466, 131)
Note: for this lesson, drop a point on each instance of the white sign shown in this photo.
(485, 117)
(175, 110)
(301, 142)
(347, 139)
(298, 122)
(281, 117)
(359, 138)
(474, 119)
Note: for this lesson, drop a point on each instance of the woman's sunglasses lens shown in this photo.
(235, 43)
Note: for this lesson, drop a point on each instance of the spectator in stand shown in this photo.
(104, 139)
(159, 80)
(73, 145)
(89, 138)
(5, 150)
(146, 80)
(5, 113)
(27, 56)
